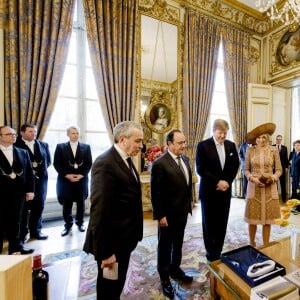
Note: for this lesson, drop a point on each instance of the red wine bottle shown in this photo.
(40, 279)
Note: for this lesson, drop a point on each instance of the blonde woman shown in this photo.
(262, 169)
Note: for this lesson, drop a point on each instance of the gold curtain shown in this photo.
(201, 44)
(111, 33)
(236, 45)
(36, 43)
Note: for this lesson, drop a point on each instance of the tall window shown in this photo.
(219, 107)
(77, 102)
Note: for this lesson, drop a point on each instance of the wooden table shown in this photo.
(226, 284)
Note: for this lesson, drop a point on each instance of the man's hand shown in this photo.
(74, 177)
(163, 222)
(222, 186)
(108, 262)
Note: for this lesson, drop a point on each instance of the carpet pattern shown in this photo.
(142, 279)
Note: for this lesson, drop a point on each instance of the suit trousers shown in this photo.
(215, 213)
(112, 289)
(33, 210)
(169, 249)
(283, 185)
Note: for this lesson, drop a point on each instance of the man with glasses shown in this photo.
(17, 186)
(171, 196)
(40, 158)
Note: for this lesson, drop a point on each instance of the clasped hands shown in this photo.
(74, 177)
(222, 186)
(263, 181)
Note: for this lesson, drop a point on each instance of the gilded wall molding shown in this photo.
(229, 14)
(160, 9)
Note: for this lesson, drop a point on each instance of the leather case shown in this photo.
(239, 260)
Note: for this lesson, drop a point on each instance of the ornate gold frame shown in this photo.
(159, 100)
(277, 40)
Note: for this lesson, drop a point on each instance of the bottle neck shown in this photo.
(37, 262)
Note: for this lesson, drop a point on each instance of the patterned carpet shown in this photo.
(143, 281)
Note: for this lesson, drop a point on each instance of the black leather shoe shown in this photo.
(26, 250)
(65, 231)
(167, 289)
(81, 228)
(39, 236)
(181, 276)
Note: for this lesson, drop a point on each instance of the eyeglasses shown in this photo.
(9, 134)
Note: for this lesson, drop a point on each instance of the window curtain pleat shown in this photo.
(200, 58)
(236, 44)
(111, 33)
(36, 45)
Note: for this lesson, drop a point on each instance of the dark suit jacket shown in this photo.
(209, 167)
(43, 159)
(171, 196)
(24, 181)
(116, 215)
(295, 168)
(64, 163)
(283, 157)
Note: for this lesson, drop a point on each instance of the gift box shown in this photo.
(242, 260)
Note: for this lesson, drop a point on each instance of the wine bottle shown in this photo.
(40, 279)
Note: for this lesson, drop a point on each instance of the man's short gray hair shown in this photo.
(73, 127)
(125, 128)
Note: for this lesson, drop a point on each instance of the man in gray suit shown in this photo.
(171, 196)
(116, 215)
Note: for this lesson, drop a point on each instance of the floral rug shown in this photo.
(142, 278)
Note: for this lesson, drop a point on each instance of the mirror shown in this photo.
(160, 82)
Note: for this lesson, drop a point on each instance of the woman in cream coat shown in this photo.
(262, 169)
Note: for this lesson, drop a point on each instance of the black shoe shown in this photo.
(81, 228)
(65, 231)
(39, 236)
(179, 275)
(26, 250)
(167, 288)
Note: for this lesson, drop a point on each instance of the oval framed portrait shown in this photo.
(159, 117)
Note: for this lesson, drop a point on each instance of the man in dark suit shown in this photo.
(295, 170)
(242, 154)
(116, 215)
(16, 186)
(171, 196)
(283, 153)
(40, 158)
(72, 161)
(217, 163)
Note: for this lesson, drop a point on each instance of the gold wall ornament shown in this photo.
(230, 13)
(160, 9)
(254, 55)
(285, 51)
(159, 115)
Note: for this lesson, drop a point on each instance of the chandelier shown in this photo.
(288, 13)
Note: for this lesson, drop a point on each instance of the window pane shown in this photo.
(94, 119)
(99, 143)
(69, 83)
(91, 91)
(72, 54)
(88, 62)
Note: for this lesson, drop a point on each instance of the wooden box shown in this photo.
(15, 277)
